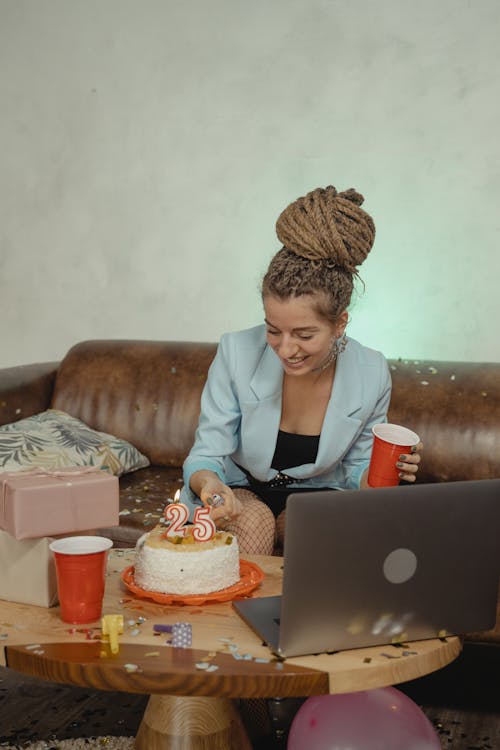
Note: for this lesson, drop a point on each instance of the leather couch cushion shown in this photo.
(146, 392)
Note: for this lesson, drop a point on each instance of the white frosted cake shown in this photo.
(181, 565)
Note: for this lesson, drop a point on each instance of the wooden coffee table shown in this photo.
(191, 688)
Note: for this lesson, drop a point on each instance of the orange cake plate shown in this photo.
(250, 577)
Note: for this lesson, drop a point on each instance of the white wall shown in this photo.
(148, 146)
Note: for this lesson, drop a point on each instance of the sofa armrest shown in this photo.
(26, 390)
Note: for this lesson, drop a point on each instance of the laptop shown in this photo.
(385, 565)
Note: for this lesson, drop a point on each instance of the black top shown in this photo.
(291, 450)
(294, 450)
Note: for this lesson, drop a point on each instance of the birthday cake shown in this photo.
(182, 565)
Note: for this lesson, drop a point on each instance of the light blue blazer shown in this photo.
(241, 413)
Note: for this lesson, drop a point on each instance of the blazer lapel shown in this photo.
(340, 424)
(261, 416)
(267, 379)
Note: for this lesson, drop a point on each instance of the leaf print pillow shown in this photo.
(54, 439)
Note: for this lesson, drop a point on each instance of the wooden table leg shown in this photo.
(191, 723)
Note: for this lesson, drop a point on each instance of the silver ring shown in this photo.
(215, 500)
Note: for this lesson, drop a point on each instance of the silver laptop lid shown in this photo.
(388, 565)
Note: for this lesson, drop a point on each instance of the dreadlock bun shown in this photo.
(329, 226)
(325, 236)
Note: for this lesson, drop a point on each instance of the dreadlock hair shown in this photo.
(325, 235)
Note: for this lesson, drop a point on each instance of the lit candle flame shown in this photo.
(177, 496)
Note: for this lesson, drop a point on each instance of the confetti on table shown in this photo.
(152, 653)
(209, 657)
(33, 646)
(131, 667)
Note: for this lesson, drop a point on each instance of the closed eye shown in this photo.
(302, 337)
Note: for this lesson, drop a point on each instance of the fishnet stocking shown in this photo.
(280, 529)
(255, 527)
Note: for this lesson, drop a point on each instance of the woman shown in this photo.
(290, 405)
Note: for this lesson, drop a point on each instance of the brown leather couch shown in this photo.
(148, 393)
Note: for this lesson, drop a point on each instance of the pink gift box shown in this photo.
(40, 503)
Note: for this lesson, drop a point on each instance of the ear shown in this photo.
(342, 321)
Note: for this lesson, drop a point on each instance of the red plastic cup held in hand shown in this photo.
(389, 442)
(81, 569)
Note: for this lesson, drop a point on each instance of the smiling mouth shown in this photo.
(295, 361)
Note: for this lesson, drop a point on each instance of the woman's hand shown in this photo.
(223, 503)
(408, 464)
(214, 494)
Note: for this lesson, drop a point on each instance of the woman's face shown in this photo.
(300, 337)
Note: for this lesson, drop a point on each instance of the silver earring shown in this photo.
(339, 345)
(336, 348)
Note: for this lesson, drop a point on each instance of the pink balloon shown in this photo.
(381, 719)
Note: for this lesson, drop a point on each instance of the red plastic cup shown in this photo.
(81, 569)
(389, 441)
